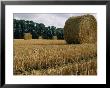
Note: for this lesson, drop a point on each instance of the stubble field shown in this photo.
(53, 57)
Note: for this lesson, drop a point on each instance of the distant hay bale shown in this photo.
(27, 36)
(81, 29)
(54, 37)
(40, 37)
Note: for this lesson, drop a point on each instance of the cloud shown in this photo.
(51, 19)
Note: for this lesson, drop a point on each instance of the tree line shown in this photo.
(36, 29)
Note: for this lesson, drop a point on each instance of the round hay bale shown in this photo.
(27, 36)
(81, 29)
(40, 37)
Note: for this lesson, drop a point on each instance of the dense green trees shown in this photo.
(60, 33)
(36, 29)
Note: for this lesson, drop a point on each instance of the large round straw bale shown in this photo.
(81, 29)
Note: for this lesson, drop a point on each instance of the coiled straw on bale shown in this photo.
(81, 29)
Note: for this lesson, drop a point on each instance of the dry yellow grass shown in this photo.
(38, 42)
(54, 57)
(82, 68)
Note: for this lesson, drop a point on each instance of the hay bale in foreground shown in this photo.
(27, 36)
(81, 29)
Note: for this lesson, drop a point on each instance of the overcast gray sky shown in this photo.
(49, 19)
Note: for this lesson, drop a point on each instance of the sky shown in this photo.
(50, 19)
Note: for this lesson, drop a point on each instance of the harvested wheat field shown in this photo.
(53, 57)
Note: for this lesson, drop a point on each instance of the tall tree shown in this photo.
(53, 29)
(60, 33)
(35, 31)
(27, 27)
(41, 29)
